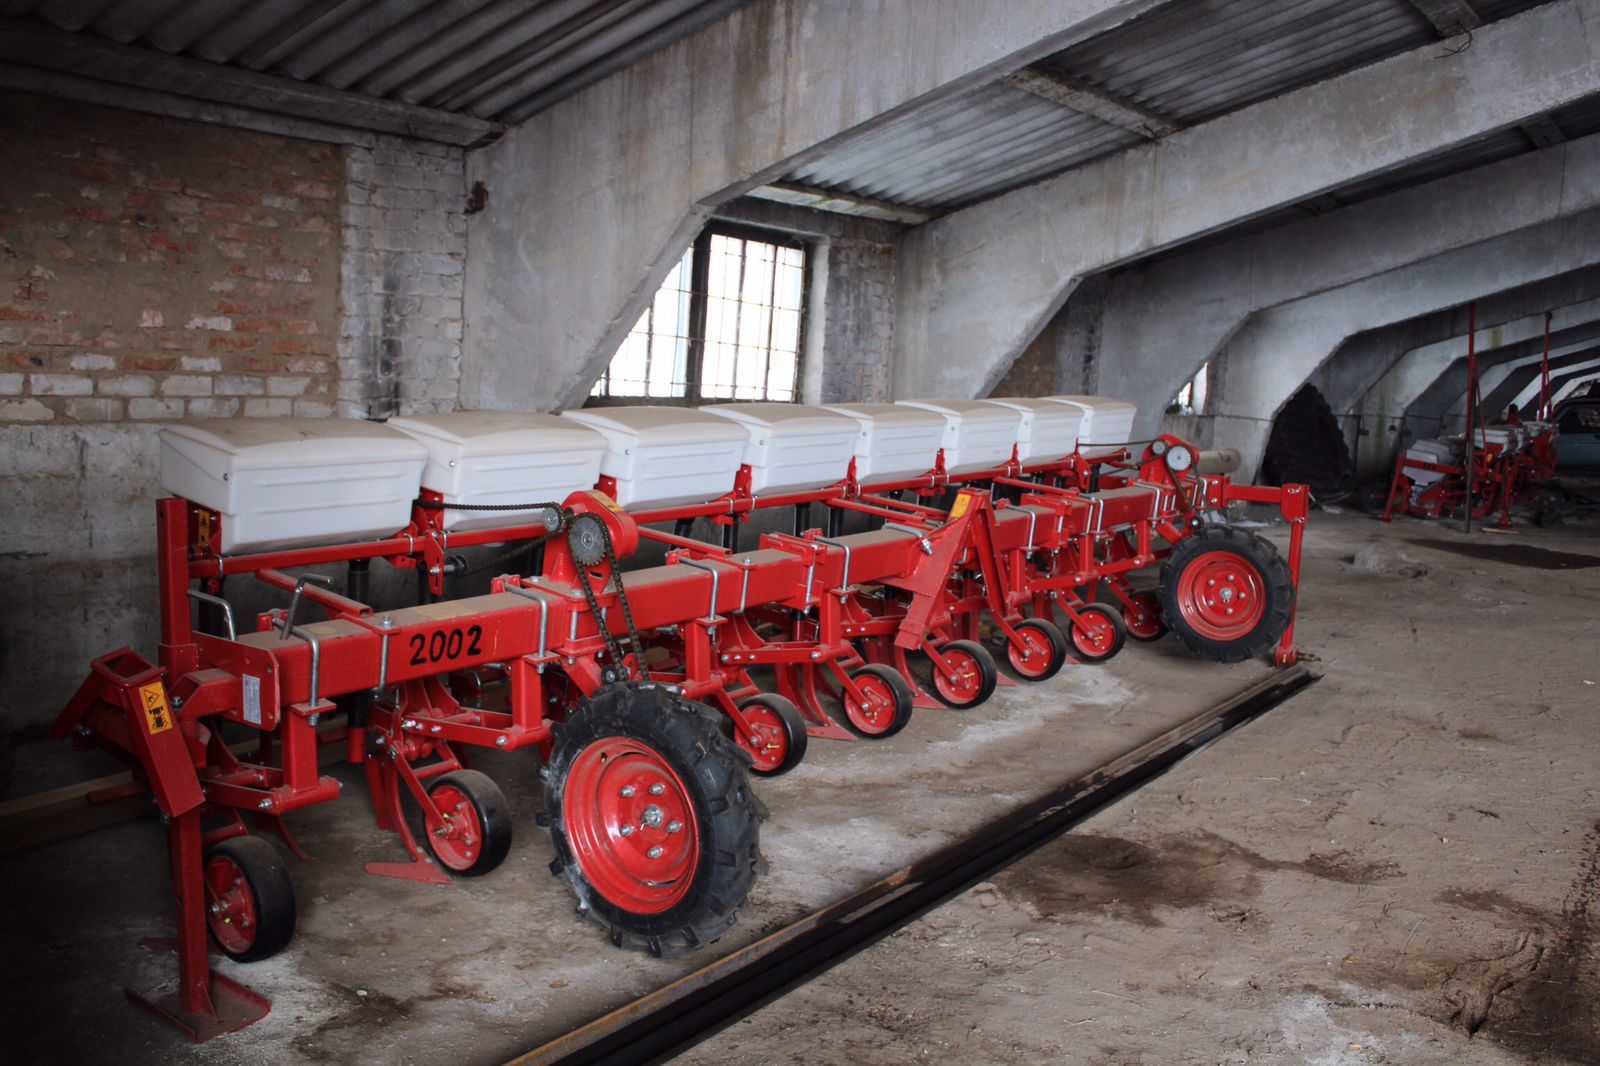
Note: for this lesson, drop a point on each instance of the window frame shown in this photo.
(699, 300)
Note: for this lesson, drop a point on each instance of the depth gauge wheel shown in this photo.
(780, 734)
(1226, 593)
(972, 676)
(250, 906)
(652, 816)
(1098, 633)
(1039, 651)
(1141, 616)
(472, 834)
(884, 707)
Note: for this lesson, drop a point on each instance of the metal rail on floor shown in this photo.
(671, 1019)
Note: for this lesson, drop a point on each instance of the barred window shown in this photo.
(726, 324)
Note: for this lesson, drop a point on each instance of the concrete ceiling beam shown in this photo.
(595, 198)
(1079, 96)
(172, 85)
(976, 286)
(1449, 17)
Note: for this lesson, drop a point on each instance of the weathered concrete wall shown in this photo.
(592, 201)
(1063, 357)
(404, 231)
(154, 269)
(977, 285)
(849, 327)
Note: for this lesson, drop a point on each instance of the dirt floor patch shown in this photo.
(1084, 874)
(1514, 554)
(1551, 1013)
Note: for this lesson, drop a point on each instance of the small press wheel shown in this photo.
(971, 675)
(1098, 633)
(884, 705)
(1038, 651)
(249, 901)
(780, 734)
(472, 832)
(1141, 615)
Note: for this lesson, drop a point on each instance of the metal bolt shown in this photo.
(657, 788)
(655, 852)
(437, 729)
(627, 791)
(626, 830)
(674, 826)
(386, 622)
(651, 818)
(264, 805)
(500, 742)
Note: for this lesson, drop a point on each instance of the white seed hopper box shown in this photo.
(892, 442)
(502, 458)
(791, 447)
(283, 482)
(1437, 452)
(1049, 429)
(1107, 423)
(662, 456)
(978, 435)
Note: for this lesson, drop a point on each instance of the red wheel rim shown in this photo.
(963, 681)
(1030, 652)
(768, 742)
(631, 825)
(230, 905)
(1221, 596)
(1142, 615)
(874, 712)
(1093, 634)
(456, 835)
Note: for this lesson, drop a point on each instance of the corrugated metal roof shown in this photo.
(1188, 62)
(954, 150)
(500, 60)
(1197, 60)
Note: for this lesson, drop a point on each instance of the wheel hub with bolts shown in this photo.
(1225, 594)
(631, 827)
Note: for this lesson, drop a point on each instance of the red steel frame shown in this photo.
(705, 606)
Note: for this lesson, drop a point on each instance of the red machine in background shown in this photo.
(1448, 476)
(648, 694)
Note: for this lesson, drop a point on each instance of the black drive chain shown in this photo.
(613, 647)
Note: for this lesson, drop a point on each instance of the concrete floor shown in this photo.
(1396, 866)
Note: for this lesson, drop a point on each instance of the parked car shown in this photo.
(1578, 433)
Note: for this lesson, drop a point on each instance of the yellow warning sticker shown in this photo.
(963, 502)
(156, 712)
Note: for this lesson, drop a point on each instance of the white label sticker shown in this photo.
(251, 685)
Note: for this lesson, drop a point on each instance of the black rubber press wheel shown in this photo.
(250, 907)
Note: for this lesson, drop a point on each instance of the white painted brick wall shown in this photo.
(403, 247)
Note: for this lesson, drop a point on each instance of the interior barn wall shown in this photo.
(850, 336)
(153, 269)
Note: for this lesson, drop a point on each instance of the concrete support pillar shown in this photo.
(591, 201)
(1521, 384)
(1506, 319)
(1277, 350)
(977, 285)
(1429, 413)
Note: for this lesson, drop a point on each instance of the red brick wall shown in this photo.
(156, 269)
